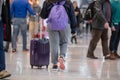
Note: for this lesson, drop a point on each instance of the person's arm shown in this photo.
(43, 13)
(12, 10)
(112, 11)
(30, 9)
(73, 21)
(99, 14)
(98, 11)
(46, 9)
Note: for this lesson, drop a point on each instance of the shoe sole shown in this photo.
(54, 70)
(112, 58)
(5, 76)
(92, 57)
(61, 61)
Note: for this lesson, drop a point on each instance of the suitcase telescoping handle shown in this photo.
(41, 29)
(37, 24)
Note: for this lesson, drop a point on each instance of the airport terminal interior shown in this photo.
(77, 65)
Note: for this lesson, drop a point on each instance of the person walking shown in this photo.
(3, 72)
(100, 27)
(115, 37)
(60, 13)
(6, 23)
(19, 13)
(34, 22)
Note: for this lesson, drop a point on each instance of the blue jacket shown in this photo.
(19, 9)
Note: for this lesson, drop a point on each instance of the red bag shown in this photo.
(5, 31)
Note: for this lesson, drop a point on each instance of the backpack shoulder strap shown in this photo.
(62, 2)
(59, 3)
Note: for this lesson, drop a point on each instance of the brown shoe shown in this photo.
(92, 57)
(14, 51)
(107, 57)
(112, 56)
(117, 55)
(25, 50)
(4, 74)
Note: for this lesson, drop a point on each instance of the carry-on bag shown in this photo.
(39, 51)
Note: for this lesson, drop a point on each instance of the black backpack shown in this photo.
(90, 11)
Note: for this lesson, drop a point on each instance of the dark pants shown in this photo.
(2, 54)
(96, 36)
(114, 40)
(74, 38)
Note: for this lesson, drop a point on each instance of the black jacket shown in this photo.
(6, 20)
(79, 16)
(69, 9)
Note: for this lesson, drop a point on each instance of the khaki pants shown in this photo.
(34, 28)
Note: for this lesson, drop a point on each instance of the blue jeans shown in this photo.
(19, 24)
(114, 40)
(58, 42)
(2, 54)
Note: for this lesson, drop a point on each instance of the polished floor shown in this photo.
(78, 67)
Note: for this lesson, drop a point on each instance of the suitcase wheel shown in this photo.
(31, 66)
(39, 67)
(47, 66)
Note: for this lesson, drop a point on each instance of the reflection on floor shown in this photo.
(78, 67)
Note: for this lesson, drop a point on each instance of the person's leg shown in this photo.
(117, 37)
(31, 29)
(75, 39)
(96, 35)
(54, 46)
(6, 48)
(15, 34)
(36, 27)
(64, 39)
(114, 41)
(2, 60)
(72, 39)
(2, 55)
(87, 27)
(3, 72)
(23, 26)
(117, 41)
(104, 41)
